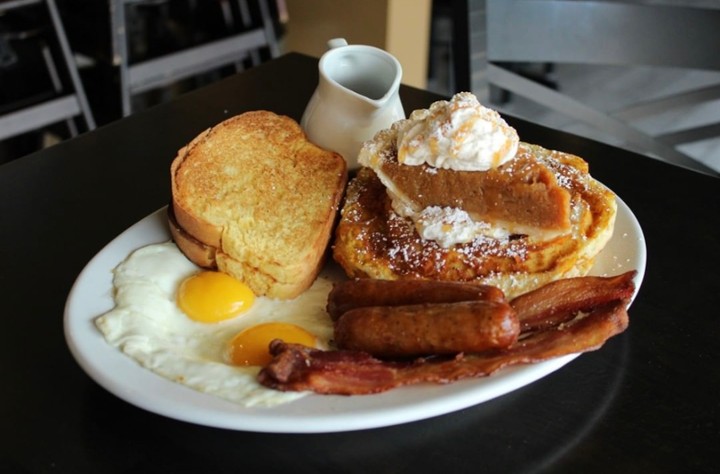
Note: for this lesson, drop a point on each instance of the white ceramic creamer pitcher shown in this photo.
(357, 95)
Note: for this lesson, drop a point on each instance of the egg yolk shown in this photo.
(210, 297)
(250, 347)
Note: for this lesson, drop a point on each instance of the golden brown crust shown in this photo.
(255, 190)
(201, 230)
(372, 241)
(200, 254)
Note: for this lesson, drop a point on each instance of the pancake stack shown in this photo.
(452, 194)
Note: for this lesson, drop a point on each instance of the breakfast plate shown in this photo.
(91, 296)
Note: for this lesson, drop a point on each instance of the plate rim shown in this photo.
(209, 410)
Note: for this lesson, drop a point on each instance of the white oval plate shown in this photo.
(91, 296)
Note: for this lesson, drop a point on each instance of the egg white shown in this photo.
(147, 325)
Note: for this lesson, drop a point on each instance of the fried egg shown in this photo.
(205, 329)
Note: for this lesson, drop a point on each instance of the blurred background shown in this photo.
(68, 66)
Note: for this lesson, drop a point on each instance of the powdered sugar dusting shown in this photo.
(408, 251)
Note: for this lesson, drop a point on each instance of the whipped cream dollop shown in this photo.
(458, 134)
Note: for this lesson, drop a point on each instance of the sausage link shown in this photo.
(352, 294)
(428, 329)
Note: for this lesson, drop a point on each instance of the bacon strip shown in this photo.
(553, 303)
(598, 312)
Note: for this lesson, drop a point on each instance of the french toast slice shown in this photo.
(255, 199)
(372, 241)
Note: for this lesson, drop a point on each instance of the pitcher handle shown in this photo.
(336, 43)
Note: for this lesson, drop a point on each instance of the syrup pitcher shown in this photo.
(357, 95)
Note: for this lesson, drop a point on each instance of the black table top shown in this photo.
(646, 402)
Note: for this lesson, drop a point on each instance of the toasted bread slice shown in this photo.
(253, 197)
(197, 252)
(373, 241)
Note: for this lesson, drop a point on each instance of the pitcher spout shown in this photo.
(358, 95)
(366, 71)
